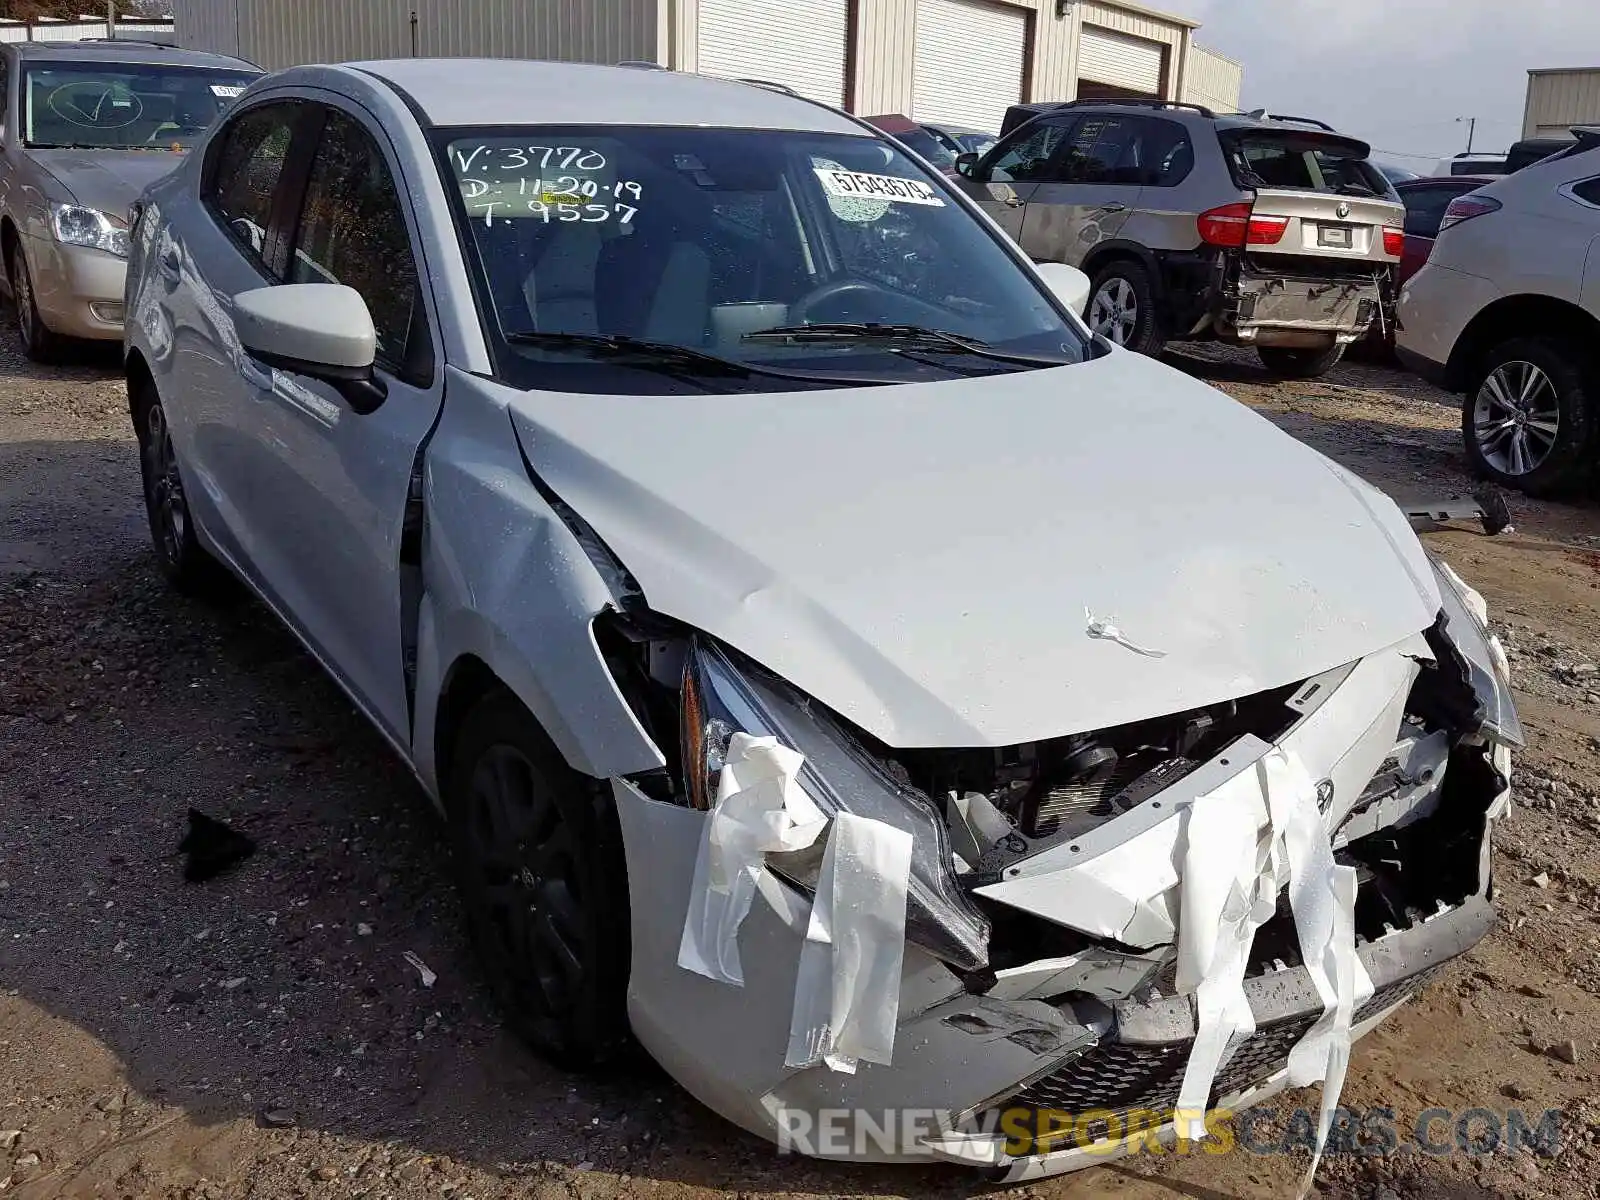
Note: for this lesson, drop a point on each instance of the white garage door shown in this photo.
(967, 67)
(799, 43)
(1106, 56)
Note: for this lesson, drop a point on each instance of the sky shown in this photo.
(1398, 73)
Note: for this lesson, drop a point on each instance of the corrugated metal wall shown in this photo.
(598, 31)
(208, 25)
(1213, 80)
(885, 52)
(1558, 100)
(275, 33)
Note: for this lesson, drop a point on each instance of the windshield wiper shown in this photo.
(918, 337)
(667, 357)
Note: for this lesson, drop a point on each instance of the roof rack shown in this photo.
(785, 89)
(1302, 121)
(118, 41)
(1139, 102)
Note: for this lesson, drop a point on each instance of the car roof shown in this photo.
(453, 92)
(121, 50)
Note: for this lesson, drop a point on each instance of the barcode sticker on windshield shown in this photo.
(856, 186)
(226, 92)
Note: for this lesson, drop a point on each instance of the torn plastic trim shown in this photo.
(840, 777)
(1462, 637)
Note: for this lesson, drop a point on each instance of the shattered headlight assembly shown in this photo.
(720, 699)
(1466, 628)
(75, 225)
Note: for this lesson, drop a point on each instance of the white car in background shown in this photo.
(1506, 311)
(818, 643)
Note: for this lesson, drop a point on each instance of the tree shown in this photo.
(32, 10)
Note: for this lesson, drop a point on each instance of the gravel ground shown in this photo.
(263, 1035)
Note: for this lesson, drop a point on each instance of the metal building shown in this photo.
(1559, 99)
(955, 61)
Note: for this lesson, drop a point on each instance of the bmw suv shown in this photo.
(1265, 231)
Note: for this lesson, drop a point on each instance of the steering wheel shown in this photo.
(800, 310)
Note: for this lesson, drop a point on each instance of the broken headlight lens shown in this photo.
(720, 699)
(1466, 628)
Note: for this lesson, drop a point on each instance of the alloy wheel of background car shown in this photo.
(540, 864)
(1516, 418)
(1114, 311)
(38, 343)
(1529, 424)
(1122, 309)
(1300, 364)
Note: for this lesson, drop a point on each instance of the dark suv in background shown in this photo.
(1272, 232)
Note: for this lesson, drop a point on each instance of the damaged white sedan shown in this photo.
(838, 669)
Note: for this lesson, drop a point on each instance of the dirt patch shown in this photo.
(264, 1036)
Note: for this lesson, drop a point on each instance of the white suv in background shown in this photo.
(1507, 313)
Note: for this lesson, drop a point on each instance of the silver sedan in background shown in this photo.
(89, 125)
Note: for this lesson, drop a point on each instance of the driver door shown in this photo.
(1005, 181)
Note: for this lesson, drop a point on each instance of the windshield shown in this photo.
(711, 239)
(930, 147)
(124, 106)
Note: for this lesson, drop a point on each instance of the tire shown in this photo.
(1122, 308)
(183, 560)
(1300, 364)
(1529, 423)
(38, 343)
(539, 861)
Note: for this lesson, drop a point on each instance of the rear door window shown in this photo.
(1101, 150)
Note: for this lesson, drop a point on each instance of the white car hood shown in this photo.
(920, 558)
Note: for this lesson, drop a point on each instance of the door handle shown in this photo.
(1115, 206)
(1013, 202)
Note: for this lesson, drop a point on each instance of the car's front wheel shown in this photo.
(38, 342)
(539, 859)
(1122, 308)
(1294, 363)
(182, 558)
(1529, 424)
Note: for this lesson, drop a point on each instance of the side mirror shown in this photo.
(320, 330)
(1070, 285)
(966, 163)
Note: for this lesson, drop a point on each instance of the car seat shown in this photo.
(654, 282)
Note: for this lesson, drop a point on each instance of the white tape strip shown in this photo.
(1233, 871)
(847, 993)
(760, 808)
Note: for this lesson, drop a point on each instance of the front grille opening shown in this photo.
(1121, 1078)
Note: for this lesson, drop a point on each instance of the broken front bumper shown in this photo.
(1128, 1085)
(965, 1063)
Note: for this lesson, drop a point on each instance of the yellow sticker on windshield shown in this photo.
(561, 198)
